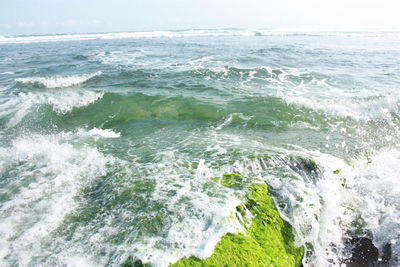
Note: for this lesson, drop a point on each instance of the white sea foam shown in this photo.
(359, 109)
(61, 101)
(186, 33)
(123, 35)
(59, 81)
(377, 187)
(63, 166)
(366, 192)
(118, 57)
(321, 218)
(207, 214)
(50, 173)
(106, 133)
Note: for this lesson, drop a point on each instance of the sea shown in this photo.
(111, 144)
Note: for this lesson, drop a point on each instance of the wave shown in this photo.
(186, 33)
(76, 178)
(360, 109)
(35, 205)
(123, 35)
(256, 112)
(16, 108)
(58, 81)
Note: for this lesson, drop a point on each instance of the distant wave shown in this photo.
(185, 33)
(58, 81)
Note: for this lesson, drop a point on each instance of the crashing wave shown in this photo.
(58, 81)
(61, 101)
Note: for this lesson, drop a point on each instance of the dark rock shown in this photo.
(362, 252)
(130, 262)
(386, 254)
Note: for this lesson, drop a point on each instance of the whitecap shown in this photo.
(106, 133)
(58, 81)
(61, 101)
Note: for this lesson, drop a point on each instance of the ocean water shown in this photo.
(108, 142)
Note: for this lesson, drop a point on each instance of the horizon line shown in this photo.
(277, 30)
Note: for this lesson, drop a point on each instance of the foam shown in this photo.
(106, 133)
(327, 206)
(45, 195)
(61, 101)
(377, 188)
(120, 57)
(187, 33)
(64, 165)
(206, 213)
(358, 109)
(321, 217)
(124, 35)
(58, 81)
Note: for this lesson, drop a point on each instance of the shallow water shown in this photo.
(108, 142)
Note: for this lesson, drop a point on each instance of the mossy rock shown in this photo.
(268, 241)
(130, 262)
(232, 180)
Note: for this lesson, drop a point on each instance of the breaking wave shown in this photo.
(16, 108)
(186, 33)
(58, 81)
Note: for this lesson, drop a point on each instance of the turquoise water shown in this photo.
(108, 141)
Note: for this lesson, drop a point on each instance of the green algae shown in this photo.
(232, 180)
(337, 171)
(268, 241)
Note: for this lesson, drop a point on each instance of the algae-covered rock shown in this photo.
(130, 262)
(268, 240)
(232, 180)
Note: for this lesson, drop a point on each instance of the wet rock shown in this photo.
(307, 168)
(364, 253)
(386, 254)
(130, 262)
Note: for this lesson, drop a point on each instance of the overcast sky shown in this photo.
(83, 16)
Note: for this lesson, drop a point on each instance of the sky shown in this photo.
(86, 16)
